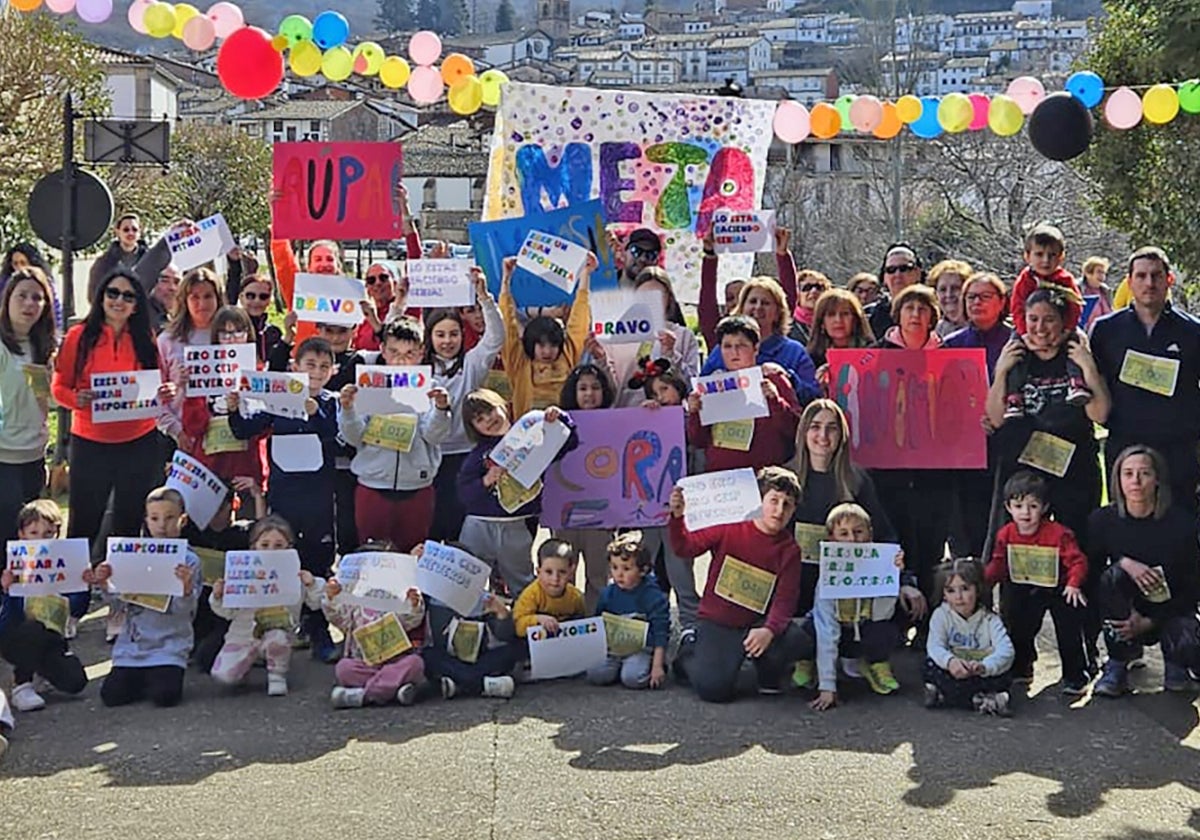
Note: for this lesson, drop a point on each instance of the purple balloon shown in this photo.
(94, 11)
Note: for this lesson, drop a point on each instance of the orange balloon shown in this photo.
(24, 5)
(890, 125)
(456, 66)
(824, 120)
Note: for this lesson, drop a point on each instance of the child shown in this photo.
(262, 633)
(304, 496)
(732, 626)
(396, 465)
(498, 508)
(969, 651)
(870, 621)
(1045, 252)
(30, 646)
(1059, 588)
(151, 652)
(551, 597)
(539, 359)
(634, 593)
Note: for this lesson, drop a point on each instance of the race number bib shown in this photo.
(381, 640)
(733, 434)
(626, 636)
(212, 564)
(391, 431)
(271, 618)
(512, 496)
(218, 438)
(50, 611)
(745, 585)
(1048, 453)
(1150, 373)
(808, 537)
(465, 639)
(1034, 565)
(154, 603)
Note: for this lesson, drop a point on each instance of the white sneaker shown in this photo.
(449, 688)
(347, 698)
(407, 695)
(276, 685)
(503, 687)
(72, 628)
(114, 623)
(26, 699)
(850, 668)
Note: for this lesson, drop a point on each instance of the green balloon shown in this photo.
(296, 28)
(842, 104)
(1189, 96)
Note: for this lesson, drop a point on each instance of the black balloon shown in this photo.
(1060, 127)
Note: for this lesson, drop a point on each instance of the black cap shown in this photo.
(645, 239)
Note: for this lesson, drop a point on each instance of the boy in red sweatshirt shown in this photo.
(751, 593)
(1040, 566)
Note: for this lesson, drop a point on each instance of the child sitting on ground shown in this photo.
(551, 597)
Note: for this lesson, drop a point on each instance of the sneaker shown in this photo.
(72, 628)
(1078, 394)
(1075, 688)
(346, 698)
(301, 641)
(113, 624)
(1014, 406)
(933, 696)
(850, 668)
(802, 674)
(25, 699)
(1113, 681)
(769, 689)
(276, 685)
(1000, 704)
(503, 687)
(407, 695)
(1176, 678)
(879, 677)
(449, 688)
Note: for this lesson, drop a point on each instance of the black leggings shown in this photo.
(32, 649)
(19, 484)
(128, 471)
(162, 685)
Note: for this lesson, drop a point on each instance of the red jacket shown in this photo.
(1028, 283)
(107, 356)
(1072, 561)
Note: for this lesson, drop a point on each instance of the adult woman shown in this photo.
(125, 251)
(914, 313)
(810, 285)
(947, 278)
(865, 287)
(27, 341)
(838, 323)
(707, 310)
(1144, 573)
(199, 297)
(25, 255)
(1095, 270)
(254, 297)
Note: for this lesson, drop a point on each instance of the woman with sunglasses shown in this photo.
(708, 311)
(812, 284)
(254, 298)
(901, 268)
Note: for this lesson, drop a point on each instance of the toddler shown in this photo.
(551, 597)
(635, 594)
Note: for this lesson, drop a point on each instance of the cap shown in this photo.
(645, 238)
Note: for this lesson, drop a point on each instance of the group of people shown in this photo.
(1030, 521)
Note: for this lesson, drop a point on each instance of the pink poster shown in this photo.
(336, 190)
(912, 409)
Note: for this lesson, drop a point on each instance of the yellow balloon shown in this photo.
(1005, 116)
(1160, 104)
(955, 112)
(492, 81)
(337, 64)
(183, 13)
(466, 95)
(394, 72)
(908, 109)
(159, 20)
(305, 59)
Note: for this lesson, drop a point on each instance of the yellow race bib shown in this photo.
(1161, 593)
(1048, 453)
(733, 434)
(219, 438)
(466, 638)
(271, 618)
(391, 431)
(212, 564)
(1035, 565)
(513, 496)
(51, 611)
(808, 537)
(381, 640)
(155, 603)
(497, 380)
(745, 585)
(626, 636)
(1150, 373)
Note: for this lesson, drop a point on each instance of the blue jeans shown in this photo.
(633, 670)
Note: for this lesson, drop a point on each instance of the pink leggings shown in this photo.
(237, 658)
(380, 681)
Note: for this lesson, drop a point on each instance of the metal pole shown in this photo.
(67, 246)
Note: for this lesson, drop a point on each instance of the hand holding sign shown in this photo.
(326, 299)
(557, 261)
(743, 231)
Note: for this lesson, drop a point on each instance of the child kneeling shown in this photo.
(634, 593)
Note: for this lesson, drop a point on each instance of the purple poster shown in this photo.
(622, 472)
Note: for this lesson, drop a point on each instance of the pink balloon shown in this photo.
(1027, 91)
(226, 18)
(425, 85)
(199, 33)
(60, 7)
(93, 11)
(425, 48)
(981, 104)
(791, 121)
(866, 113)
(1123, 109)
(137, 11)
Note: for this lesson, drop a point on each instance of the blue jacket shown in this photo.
(647, 602)
(323, 424)
(789, 355)
(992, 341)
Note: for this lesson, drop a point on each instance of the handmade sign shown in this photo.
(577, 646)
(1048, 453)
(657, 160)
(378, 580)
(452, 576)
(255, 579)
(1033, 565)
(203, 492)
(559, 262)
(744, 231)
(529, 447)
(732, 395)
(281, 394)
(438, 283)
(719, 498)
(858, 570)
(130, 395)
(381, 640)
(145, 565)
(625, 316)
(744, 584)
(336, 191)
(581, 223)
(326, 299)
(47, 567)
(199, 243)
(464, 638)
(622, 472)
(213, 370)
(625, 636)
(1155, 374)
(912, 409)
(385, 389)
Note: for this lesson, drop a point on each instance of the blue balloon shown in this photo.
(330, 30)
(927, 126)
(1087, 87)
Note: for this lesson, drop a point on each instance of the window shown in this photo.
(277, 125)
(314, 128)
(291, 133)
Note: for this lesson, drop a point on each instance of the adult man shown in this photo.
(162, 297)
(901, 268)
(125, 250)
(1149, 356)
(642, 250)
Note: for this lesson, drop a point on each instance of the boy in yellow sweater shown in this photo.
(551, 597)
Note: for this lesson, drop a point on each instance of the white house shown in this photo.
(689, 49)
(807, 86)
(914, 72)
(922, 32)
(738, 58)
(961, 75)
(977, 32)
(780, 31)
(139, 88)
(1043, 9)
(503, 49)
(613, 68)
(843, 30)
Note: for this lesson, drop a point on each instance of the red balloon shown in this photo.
(248, 65)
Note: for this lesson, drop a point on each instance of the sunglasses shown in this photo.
(897, 269)
(113, 293)
(263, 296)
(644, 253)
(813, 287)
(372, 279)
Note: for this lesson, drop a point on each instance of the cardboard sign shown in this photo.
(719, 498)
(622, 472)
(1047, 453)
(1150, 373)
(743, 232)
(384, 389)
(391, 431)
(48, 567)
(529, 447)
(559, 262)
(281, 394)
(464, 639)
(326, 299)
(913, 409)
(382, 640)
(1033, 565)
(732, 395)
(625, 316)
(858, 570)
(202, 491)
(154, 603)
(625, 636)
(129, 395)
(219, 438)
(452, 576)
(145, 565)
(378, 580)
(336, 190)
(212, 564)
(809, 537)
(577, 646)
(200, 243)
(438, 283)
(256, 579)
(213, 370)
(745, 585)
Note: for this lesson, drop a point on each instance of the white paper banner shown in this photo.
(555, 260)
(436, 283)
(719, 498)
(577, 646)
(624, 316)
(452, 576)
(255, 579)
(48, 567)
(213, 370)
(203, 492)
(858, 570)
(378, 580)
(281, 394)
(145, 566)
(329, 299)
(385, 389)
(202, 242)
(129, 395)
(529, 447)
(732, 395)
(743, 231)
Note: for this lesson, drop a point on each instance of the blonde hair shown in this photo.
(771, 286)
(848, 510)
(1095, 262)
(45, 510)
(958, 267)
(1162, 494)
(847, 478)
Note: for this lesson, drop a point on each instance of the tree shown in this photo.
(506, 17)
(221, 169)
(394, 15)
(1149, 176)
(444, 16)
